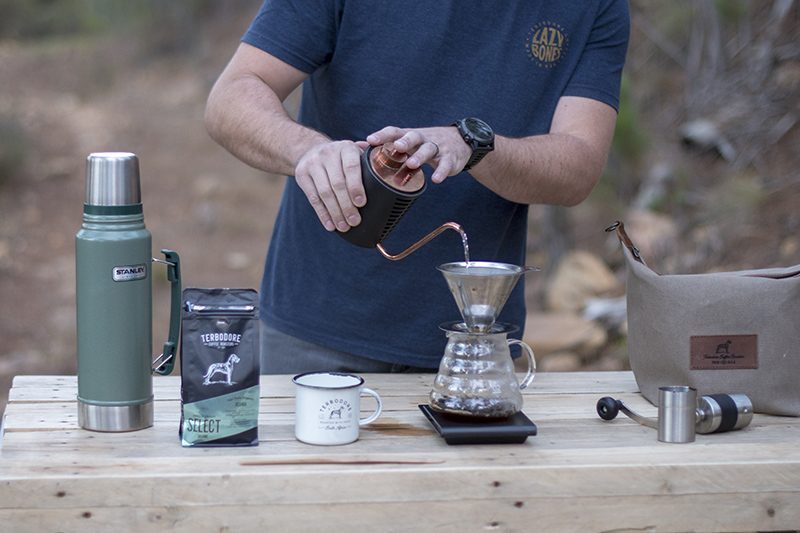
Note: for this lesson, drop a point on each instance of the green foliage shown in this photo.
(628, 150)
(13, 147)
(734, 201)
(672, 19)
(170, 26)
(32, 19)
(166, 25)
(731, 11)
(630, 138)
(676, 198)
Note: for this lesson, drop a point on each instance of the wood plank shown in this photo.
(64, 388)
(372, 479)
(553, 434)
(63, 415)
(542, 513)
(159, 452)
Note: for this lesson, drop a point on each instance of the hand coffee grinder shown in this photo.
(113, 261)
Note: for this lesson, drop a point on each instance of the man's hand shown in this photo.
(442, 148)
(330, 176)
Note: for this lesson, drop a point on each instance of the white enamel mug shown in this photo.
(328, 407)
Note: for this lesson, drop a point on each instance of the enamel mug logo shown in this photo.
(129, 272)
(335, 414)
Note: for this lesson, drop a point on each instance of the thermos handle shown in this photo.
(165, 363)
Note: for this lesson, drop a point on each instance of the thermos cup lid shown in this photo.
(112, 179)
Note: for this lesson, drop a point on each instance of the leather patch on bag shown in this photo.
(718, 352)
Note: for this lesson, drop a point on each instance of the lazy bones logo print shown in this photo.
(546, 44)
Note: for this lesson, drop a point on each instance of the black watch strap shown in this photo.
(478, 135)
(475, 158)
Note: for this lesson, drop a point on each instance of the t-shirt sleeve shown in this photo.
(599, 70)
(301, 33)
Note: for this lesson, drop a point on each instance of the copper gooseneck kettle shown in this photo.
(391, 187)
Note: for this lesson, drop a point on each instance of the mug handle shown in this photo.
(531, 362)
(377, 413)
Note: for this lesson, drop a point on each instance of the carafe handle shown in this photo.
(531, 362)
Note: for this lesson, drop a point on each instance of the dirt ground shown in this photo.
(74, 97)
(89, 97)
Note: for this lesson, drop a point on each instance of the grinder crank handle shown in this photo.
(165, 363)
(608, 408)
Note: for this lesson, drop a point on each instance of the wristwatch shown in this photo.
(478, 135)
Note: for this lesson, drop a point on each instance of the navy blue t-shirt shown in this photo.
(420, 64)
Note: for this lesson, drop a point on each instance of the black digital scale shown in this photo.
(463, 430)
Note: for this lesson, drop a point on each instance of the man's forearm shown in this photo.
(556, 168)
(561, 167)
(249, 120)
(245, 114)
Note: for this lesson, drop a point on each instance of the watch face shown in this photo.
(479, 129)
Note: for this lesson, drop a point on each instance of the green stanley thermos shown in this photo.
(113, 264)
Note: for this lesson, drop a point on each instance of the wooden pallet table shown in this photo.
(579, 473)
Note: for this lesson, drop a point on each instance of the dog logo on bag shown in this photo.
(226, 369)
(710, 352)
(724, 349)
(723, 354)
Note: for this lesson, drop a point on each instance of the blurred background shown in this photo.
(704, 168)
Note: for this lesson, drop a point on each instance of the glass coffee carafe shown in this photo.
(477, 374)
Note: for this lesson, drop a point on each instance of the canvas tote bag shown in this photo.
(730, 332)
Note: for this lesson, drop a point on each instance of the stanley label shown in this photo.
(129, 272)
(717, 352)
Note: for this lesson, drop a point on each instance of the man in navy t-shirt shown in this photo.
(542, 78)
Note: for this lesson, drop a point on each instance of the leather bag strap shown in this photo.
(625, 240)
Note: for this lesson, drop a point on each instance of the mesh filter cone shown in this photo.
(481, 289)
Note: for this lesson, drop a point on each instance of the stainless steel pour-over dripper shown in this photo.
(481, 289)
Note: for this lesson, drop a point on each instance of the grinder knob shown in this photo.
(608, 407)
(717, 413)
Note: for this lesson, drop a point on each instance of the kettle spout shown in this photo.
(427, 238)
